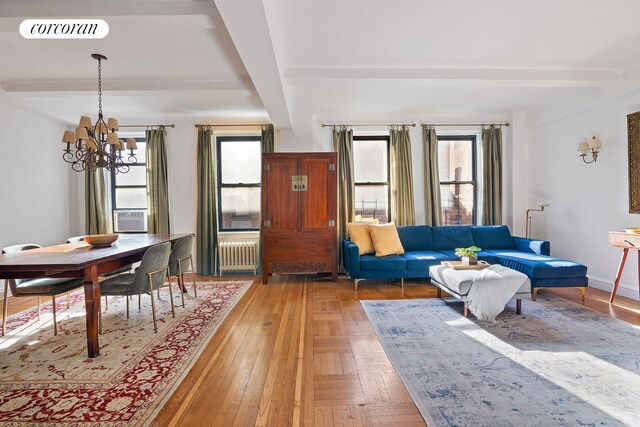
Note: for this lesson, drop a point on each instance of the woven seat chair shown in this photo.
(37, 287)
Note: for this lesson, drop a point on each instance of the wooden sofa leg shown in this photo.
(535, 294)
(584, 293)
(402, 282)
(355, 283)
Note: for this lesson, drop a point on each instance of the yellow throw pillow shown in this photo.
(359, 234)
(385, 239)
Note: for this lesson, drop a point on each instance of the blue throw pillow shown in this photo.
(493, 237)
(452, 236)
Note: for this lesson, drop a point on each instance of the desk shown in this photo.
(626, 241)
(79, 260)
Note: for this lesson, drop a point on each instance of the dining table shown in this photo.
(81, 260)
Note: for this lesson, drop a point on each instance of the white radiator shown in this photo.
(238, 256)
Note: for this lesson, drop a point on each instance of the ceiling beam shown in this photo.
(247, 24)
(101, 9)
(75, 86)
(458, 76)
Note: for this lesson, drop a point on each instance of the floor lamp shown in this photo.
(527, 227)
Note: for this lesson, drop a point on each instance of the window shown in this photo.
(239, 172)
(371, 181)
(129, 192)
(457, 163)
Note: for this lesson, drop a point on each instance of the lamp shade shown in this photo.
(81, 133)
(112, 138)
(594, 143)
(119, 145)
(85, 121)
(112, 124)
(131, 144)
(91, 144)
(543, 203)
(102, 127)
(583, 146)
(68, 137)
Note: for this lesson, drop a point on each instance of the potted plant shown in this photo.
(468, 255)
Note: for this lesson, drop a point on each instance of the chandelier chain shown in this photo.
(99, 86)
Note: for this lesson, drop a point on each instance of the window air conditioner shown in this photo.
(130, 221)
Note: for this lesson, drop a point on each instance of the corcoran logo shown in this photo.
(64, 29)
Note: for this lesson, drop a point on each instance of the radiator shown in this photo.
(238, 256)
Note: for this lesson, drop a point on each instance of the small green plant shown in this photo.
(469, 252)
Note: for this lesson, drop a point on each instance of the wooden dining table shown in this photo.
(80, 260)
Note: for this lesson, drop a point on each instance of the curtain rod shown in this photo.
(425, 125)
(324, 125)
(237, 125)
(147, 126)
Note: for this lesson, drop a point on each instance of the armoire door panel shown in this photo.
(314, 201)
(282, 202)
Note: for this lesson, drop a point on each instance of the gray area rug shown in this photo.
(557, 364)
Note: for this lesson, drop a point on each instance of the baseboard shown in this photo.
(624, 290)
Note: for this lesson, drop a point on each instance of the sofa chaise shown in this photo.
(425, 246)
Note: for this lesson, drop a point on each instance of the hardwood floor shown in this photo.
(301, 352)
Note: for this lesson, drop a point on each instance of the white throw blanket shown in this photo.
(491, 289)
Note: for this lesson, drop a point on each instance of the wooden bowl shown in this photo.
(101, 239)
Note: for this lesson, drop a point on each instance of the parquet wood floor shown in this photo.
(301, 352)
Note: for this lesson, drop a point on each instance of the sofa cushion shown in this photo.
(493, 237)
(389, 262)
(416, 237)
(539, 266)
(451, 237)
(450, 254)
(423, 259)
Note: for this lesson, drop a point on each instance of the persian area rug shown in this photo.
(48, 380)
(557, 364)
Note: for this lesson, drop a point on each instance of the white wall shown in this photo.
(34, 182)
(587, 201)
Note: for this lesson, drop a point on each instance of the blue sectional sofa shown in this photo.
(425, 246)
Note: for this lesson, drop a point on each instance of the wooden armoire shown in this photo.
(299, 209)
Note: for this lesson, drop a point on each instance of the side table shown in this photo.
(625, 241)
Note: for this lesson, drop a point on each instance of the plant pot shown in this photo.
(469, 260)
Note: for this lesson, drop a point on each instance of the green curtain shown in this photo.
(402, 176)
(207, 219)
(492, 175)
(343, 145)
(268, 146)
(432, 201)
(266, 136)
(95, 203)
(157, 183)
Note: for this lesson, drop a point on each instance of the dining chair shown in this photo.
(148, 277)
(181, 262)
(37, 287)
(124, 269)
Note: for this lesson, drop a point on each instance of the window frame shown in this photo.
(474, 170)
(113, 186)
(220, 185)
(386, 138)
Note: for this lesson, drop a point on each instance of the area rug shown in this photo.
(557, 364)
(48, 380)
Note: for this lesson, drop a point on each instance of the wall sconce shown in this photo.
(593, 145)
(527, 225)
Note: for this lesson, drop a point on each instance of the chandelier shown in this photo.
(94, 146)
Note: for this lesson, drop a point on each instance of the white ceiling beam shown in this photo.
(248, 27)
(101, 9)
(458, 76)
(75, 86)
